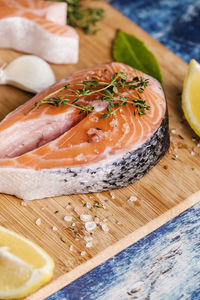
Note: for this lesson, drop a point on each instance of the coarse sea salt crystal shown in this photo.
(23, 203)
(71, 248)
(89, 226)
(112, 195)
(54, 228)
(88, 205)
(132, 198)
(68, 218)
(113, 123)
(94, 118)
(91, 131)
(173, 131)
(85, 218)
(38, 222)
(83, 253)
(96, 138)
(89, 245)
(105, 227)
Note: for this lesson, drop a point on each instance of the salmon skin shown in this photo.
(52, 151)
(38, 27)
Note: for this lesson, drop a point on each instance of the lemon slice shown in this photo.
(191, 96)
(24, 266)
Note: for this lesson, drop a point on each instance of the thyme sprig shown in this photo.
(83, 18)
(103, 91)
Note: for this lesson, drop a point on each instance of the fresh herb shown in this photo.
(63, 239)
(71, 228)
(75, 233)
(130, 50)
(104, 91)
(180, 137)
(97, 204)
(56, 211)
(83, 18)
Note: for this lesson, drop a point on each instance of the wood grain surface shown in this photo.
(165, 187)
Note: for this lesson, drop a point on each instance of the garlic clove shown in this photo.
(29, 73)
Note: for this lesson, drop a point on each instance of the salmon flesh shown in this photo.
(51, 151)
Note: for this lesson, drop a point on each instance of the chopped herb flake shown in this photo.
(63, 239)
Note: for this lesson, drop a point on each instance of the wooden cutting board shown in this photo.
(161, 193)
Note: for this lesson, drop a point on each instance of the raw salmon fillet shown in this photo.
(33, 31)
(53, 151)
(53, 11)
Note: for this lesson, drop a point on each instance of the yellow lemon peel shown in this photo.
(191, 96)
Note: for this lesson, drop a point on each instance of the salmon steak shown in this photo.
(38, 27)
(99, 129)
(53, 11)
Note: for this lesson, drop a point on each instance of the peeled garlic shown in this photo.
(29, 73)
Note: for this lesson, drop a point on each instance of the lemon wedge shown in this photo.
(24, 266)
(191, 96)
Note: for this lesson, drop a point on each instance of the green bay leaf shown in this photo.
(128, 49)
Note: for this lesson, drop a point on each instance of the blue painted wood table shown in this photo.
(165, 264)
